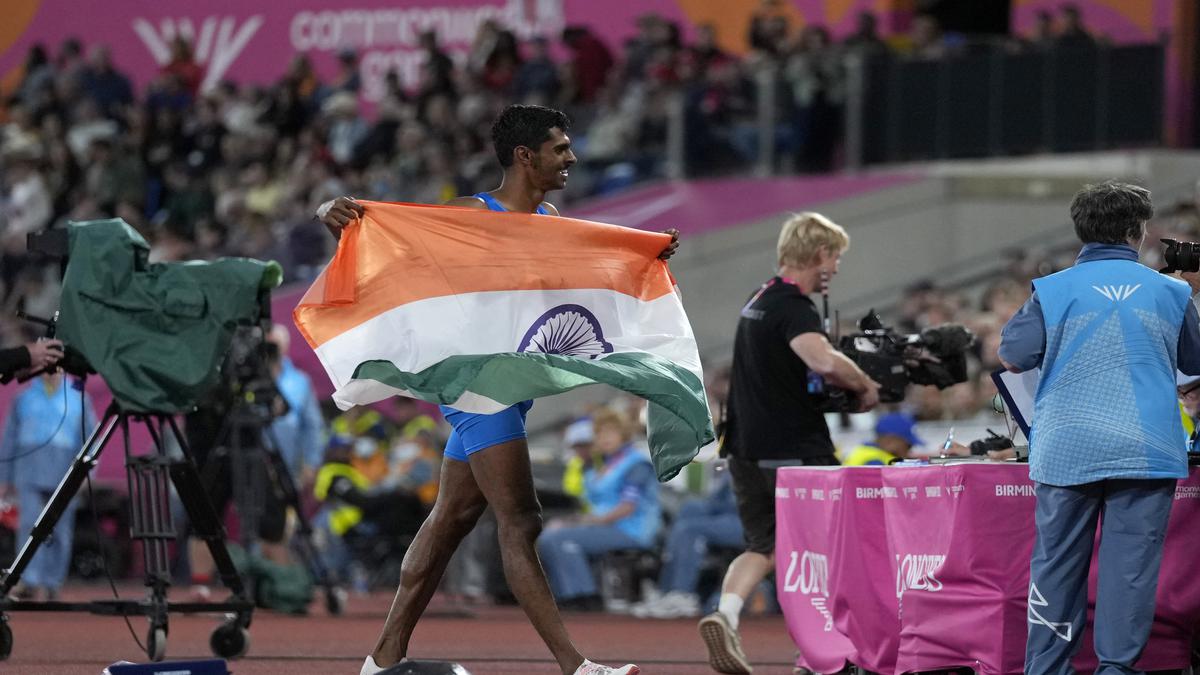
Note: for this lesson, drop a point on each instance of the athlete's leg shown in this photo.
(504, 475)
(458, 506)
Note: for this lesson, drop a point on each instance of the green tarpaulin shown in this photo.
(156, 332)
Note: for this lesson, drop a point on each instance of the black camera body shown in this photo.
(1180, 256)
(936, 356)
(246, 374)
(984, 445)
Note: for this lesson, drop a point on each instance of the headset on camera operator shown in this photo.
(781, 348)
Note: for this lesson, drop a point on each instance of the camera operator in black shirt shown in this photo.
(772, 420)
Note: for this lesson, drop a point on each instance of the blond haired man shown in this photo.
(773, 421)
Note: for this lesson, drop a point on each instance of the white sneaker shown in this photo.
(673, 605)
(589, 668)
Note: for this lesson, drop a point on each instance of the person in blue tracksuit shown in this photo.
(44, 429)
(300, 434)
(623, 512)
(1108, 335)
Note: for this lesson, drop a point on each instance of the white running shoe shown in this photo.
(370, 667)
(673, 605)
(589, 668)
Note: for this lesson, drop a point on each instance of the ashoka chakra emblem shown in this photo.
(570, 330)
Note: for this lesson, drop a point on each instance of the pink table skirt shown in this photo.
(904, 569)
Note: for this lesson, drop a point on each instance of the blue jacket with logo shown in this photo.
(630, 477)
(1112, 332)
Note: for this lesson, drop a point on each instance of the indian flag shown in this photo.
(480, 310)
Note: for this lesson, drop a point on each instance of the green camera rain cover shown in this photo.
(156, 332)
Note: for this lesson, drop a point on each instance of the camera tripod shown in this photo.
(149, 476)
(254, 462)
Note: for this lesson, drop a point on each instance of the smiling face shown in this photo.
(551, 163)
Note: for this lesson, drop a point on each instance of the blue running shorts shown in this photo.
(474, 432)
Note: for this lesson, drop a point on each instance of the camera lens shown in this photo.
(1181, 256)
(1189, 256)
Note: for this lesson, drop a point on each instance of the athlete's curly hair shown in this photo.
(527, 125)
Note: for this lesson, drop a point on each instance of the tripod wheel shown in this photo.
(6, 640)
(156, 643)
(335, 600)
(230, 641)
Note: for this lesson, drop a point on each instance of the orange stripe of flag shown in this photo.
(400, 253)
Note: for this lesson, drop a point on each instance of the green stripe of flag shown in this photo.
(679, 420)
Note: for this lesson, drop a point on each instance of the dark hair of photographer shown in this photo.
(1111, 213)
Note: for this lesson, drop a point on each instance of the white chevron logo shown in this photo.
(1116, 293)
(1060, 628)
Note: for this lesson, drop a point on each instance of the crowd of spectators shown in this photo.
(239, 168)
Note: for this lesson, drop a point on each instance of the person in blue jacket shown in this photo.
(44, 430)
(1108, 335)
(299, 434)
(621, 492)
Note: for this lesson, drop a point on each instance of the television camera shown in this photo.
(936, 356)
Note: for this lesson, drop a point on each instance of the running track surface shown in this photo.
(485, 640)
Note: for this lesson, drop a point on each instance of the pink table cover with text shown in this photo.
(928, 568)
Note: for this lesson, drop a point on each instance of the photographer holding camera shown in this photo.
(773, 420)
(1108, 335)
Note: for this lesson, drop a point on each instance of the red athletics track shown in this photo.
(496, 641)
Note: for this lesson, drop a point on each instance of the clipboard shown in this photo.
(1018, 391)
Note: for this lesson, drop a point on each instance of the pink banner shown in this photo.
(961, 538)
(872, 608)
(802, 553)
(958, 541)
